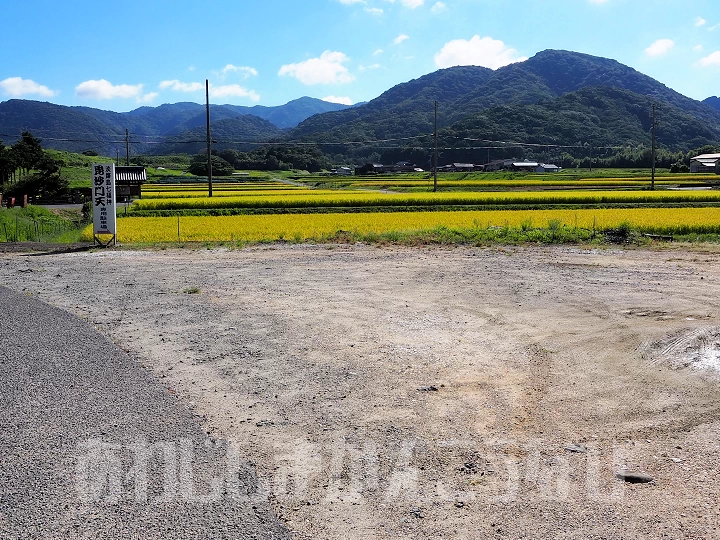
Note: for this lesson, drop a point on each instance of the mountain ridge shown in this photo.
(601, 100)
(77, 128)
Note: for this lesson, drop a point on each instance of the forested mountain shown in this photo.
(520, 101)
(404, 110)
(227, 133)
(590, 117)
(85, 128)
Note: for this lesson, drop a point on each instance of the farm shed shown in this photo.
(546, 167)
(498, 164)
(705, 163)
(525, 165)
(463, 167)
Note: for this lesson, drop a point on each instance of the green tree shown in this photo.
(7, 164)
(220, 167)
(44, 183)
(28, 152)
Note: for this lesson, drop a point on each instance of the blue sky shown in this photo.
(123, 55)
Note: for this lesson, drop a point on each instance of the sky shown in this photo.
(123, 55)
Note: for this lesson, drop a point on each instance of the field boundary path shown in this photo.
(92, 445)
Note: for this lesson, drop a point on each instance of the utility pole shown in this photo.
(436, 150)
(127, 148)
(117, 157)
(209, 154)
(591, 158)
(653, 149)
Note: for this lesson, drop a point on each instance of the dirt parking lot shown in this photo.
(387, 392)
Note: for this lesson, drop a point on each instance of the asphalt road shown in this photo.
(92, 446)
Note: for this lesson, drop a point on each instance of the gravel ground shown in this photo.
(93, 447)
(388, 392)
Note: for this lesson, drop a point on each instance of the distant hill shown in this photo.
(84, 128)
(229, 133)
(713, 101)
(465, 92)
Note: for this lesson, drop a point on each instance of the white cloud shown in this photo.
(377, 52)
(400, 39)
(245, 71)
(486, 52)
(103, 89)
(18, 87)
(341, 100)
(328, 69)
(348, 2)
(375, 11)
(713, 28)
(598, 1)
(660, 47)
(412, 4)
(178, 86)
(699, 21)
(439, 7)
(148, 98)
(710, 60)
(698, 48)
(371, 66)
(233, 90)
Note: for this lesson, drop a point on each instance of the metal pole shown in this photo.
(652, 174)
(127, 148)
(209, 154)
(436, 150)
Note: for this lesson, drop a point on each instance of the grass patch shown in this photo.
(35, 224)
(191, 290)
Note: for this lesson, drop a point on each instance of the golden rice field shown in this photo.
(300, 227)
(312, 199)
(240, 193)
(510, 184)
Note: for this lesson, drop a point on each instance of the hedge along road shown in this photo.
(93, 446)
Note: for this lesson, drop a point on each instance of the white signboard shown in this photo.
(103, 199)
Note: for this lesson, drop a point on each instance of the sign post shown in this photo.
(103, 203)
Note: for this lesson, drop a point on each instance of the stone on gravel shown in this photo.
(576, 448)
(634, 477)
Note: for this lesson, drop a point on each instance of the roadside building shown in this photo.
(129, 182)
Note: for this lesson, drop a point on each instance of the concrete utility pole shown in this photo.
(209, 154)
(436, 151)
(653, 147)
(127, 148)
